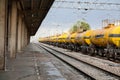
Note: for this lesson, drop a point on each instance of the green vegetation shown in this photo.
(79, 26)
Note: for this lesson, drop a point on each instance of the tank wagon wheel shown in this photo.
(61, 45)
(65, 45)
(109, 52)
(55, 44)
(58, 44)
(77, 47)
(115, 55)
(107, 55)
(101, 52)
(112, 53)
(73, 47)
(87, 50)
(69, 46)
(92, 50)
(84, 50)
(118, 56)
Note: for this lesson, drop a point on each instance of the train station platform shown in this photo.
(34, 63)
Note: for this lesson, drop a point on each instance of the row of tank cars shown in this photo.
(104, 42)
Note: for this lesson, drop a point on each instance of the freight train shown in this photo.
(104, 42)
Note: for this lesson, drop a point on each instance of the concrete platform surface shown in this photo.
(34, 63)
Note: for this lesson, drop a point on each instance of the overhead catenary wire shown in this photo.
(87, 5)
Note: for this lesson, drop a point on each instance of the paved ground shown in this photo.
(34, 63)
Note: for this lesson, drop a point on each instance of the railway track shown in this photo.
(94, 73)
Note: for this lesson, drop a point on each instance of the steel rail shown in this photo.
(93, 77)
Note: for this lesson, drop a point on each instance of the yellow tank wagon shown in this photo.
(53, 40)
(71, 42)
(103, 40)
(41, 39)
(50, 39)
(68, 38)
(114, 36)
(62, 39)
(86, 37)
(83, 40)
(99, 37)
(59, 39)
(72, 38)
(113, 47)
(80, 38)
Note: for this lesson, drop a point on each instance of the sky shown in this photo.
(60, 19)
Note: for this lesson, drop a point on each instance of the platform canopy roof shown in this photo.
(34, 12)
